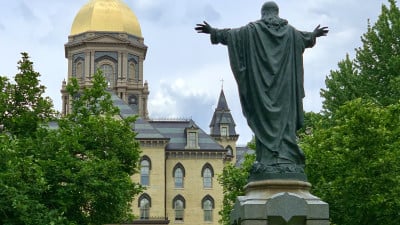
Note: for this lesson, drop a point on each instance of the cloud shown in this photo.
(194, 94)
(177, 100)
(198, 12)
(210, 13)
(153, 13)
(26, 12)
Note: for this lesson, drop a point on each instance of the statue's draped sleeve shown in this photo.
(267, 63)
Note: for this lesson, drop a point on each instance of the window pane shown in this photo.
(108, 73)
(144, 208)
(207, 178)
(207, 207)
(207, 215)
(131, 70)
(178, 178)
(144, 172)
(224, 131)
(178, 210)
(79, 69)
(192, 140)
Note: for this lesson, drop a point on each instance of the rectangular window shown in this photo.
(144, 180)
(144, 213)
(179, 209)
(207, 182)
(144, 172)
(224, 131)
(208, 215)
(179, 214)
(192, 140)
(178, 178)
(144, 209)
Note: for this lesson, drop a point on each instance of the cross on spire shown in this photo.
(222, 83)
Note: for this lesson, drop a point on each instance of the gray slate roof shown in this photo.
(124, 109)
(143, 129)
(175, 130)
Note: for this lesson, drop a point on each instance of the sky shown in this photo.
(183, 69)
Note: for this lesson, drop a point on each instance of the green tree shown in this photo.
(23, 106)
(342, 86)
(353, 164)
(23, 187)
(104, 156)
(311, 120)
(378, 59)
(78, 173)
(233, 179)
(374, 73)
(353, 151)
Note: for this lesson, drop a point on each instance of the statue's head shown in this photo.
(269, 9)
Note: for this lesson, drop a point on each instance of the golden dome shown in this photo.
(106, 15)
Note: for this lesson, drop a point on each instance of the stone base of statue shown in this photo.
(279, 202)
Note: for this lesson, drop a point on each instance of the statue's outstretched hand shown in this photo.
(203, 28)
(320, 31)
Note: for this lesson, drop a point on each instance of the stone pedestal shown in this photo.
(279, 202)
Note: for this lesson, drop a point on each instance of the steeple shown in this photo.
(222, 123)
(222, 104)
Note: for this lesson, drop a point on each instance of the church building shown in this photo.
(180, 161)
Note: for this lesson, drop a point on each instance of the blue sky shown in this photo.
(182, 68)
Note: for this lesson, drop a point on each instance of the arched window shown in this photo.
(79, 69)
(179, 207)
(179, 174)
(132, 70)
(108, 73)
(207, 204)
(229, 151)
(207, 174)
(145, 164)
(144, 205)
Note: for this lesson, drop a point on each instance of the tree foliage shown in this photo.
(22, 104)
(374, 73)
(233, 180)
(354, 149)
(353, 164)
(341, 86)
(77, 173)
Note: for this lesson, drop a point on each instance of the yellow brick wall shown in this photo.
(156, 189)
(225, 142)
(162, 185)
(193, 190)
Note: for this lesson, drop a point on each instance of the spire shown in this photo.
(222, 123)
(222, 104)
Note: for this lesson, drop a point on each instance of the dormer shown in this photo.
(192, 136)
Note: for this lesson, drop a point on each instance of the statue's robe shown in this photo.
(267, 62)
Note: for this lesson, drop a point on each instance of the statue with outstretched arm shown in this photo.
(266, 58)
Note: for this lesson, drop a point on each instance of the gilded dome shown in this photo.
(106, 15)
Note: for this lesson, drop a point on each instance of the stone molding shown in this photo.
(279, 202)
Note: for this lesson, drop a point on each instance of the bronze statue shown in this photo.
(266, 58)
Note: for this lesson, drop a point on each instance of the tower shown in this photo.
(106, 36)
(222, 127)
